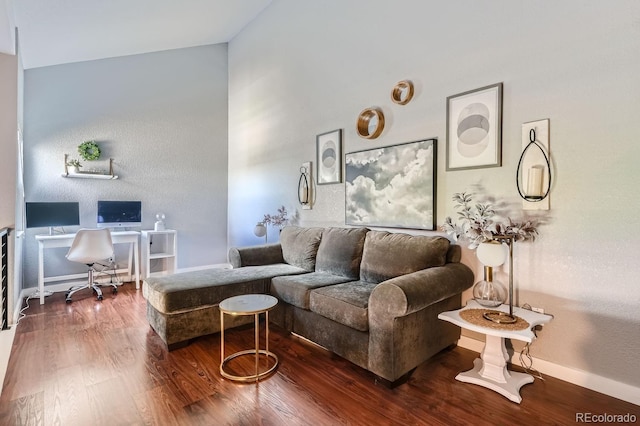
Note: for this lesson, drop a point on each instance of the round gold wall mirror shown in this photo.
(402, 92)
(370, 123)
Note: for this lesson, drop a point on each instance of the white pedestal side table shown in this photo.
(490, 370)
(248, 304)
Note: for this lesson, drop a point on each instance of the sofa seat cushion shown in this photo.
(388, 255)
(345, 303)
(295, 289)
(196, 289)
(300, 246)
(340, 251)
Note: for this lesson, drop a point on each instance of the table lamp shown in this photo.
(159, 225)
(493, 255)
(260, 230)
(490, 292)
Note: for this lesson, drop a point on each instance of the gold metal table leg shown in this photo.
(256, 352)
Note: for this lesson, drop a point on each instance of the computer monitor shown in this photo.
(52, 214)
(119, 214)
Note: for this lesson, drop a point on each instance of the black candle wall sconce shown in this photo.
(533, 175)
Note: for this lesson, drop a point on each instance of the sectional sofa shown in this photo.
(369, 296)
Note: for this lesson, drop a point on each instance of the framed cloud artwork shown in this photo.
(329, 157)
(392, 186)
(474, 129)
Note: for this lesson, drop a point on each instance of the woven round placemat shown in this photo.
(474, 316)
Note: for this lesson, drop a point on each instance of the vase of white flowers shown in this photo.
(479, 225)
(279, 220)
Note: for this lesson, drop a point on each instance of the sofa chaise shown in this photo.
(369, 296)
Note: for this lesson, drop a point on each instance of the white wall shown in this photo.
(162, 117)
(304, 68)
(8, 132)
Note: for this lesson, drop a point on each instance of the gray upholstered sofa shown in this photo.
(369, 296)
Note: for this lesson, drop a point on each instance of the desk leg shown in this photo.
(136, 263)
(490, 371)
(130, 262)
(41, 271)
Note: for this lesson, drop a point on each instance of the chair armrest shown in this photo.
(410, 293)
(265, 254)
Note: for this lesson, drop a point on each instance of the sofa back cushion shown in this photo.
(387, 255)
(300, 246)
(340, 251)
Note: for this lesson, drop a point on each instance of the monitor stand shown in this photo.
(52, 230)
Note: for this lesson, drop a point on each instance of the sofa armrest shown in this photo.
(409, 293)
(404, 329)
(266, 254)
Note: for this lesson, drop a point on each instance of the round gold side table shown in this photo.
(248, 304)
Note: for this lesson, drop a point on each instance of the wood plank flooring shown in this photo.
(99, 363)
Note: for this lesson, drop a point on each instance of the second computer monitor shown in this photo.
(119, 214)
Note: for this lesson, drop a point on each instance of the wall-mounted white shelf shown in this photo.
(89, 175)
(160, 246)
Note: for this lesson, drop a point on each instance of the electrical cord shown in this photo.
(526, 360)
(110, 269)
(22, 314)
(34, 295)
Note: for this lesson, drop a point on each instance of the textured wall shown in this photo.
(162, 117)
(8, 129)
(304, 68)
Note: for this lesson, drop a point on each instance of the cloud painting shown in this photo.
(392, 186)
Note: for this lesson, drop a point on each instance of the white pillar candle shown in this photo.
(534, 181)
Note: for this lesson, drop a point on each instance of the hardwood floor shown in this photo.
(99, 363)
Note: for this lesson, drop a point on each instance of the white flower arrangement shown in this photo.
(278, 220)
(478, 223)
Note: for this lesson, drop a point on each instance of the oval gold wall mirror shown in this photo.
(402, 92)
(370, 123)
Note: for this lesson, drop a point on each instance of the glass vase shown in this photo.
(488, 292)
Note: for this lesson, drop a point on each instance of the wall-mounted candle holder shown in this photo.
(533, 176)
(305, 185)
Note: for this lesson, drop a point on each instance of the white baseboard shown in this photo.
(582, 378)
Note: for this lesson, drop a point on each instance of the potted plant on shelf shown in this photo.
(483, 229)
(74, 166)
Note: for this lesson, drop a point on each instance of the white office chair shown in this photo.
(92, 247)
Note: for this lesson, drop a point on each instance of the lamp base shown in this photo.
(499, 317)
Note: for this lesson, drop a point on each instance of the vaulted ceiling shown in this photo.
(55, 32)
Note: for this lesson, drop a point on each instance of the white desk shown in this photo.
(490, 370)
(65, 240)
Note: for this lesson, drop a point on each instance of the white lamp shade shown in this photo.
(260, 230)
(492, 253)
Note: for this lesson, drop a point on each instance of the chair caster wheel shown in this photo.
(100, 297)
(68, 300)
(114, 291)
